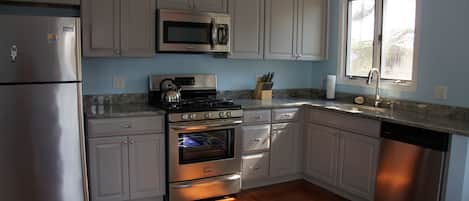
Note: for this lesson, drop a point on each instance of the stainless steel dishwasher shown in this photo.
(411, 164)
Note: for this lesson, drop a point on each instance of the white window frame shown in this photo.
(408, 86)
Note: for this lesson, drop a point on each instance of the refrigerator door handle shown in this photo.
(13, 53)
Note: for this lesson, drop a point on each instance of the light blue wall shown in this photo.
(444, 53)
(232, 74)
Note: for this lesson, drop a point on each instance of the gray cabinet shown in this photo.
(296, 29)
(357, 164)
(247, 29)
(220, 6)
(63, 2)
(108, 164)
(312, 30)
(322, 151)
(176, 4)
(138, 28)
(146, 164)
(113, 28)
(280, 28)
(126, 158)
(101, 28)
(284, 149)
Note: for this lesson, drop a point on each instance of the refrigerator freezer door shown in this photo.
(40, 143)
(39, 49)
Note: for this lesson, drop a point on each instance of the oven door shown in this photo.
(204, 149)
(181, 31)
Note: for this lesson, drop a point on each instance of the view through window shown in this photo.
(392, 38)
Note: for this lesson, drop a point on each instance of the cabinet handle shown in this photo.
(132, 142)
(117, 52)
(258, 117)
(257, 140)
(126, 126)
(255, 168)
(124, 142)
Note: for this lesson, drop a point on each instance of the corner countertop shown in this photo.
(445, 124)
(122, 110)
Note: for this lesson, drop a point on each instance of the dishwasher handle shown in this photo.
(417, 136)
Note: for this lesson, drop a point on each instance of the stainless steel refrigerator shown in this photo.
(41, 127)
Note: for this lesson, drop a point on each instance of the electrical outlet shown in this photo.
(118, 82)
(440, 92)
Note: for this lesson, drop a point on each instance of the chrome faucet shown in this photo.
(378, 83)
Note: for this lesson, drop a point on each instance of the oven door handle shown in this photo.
(228, 178)
(207, 126)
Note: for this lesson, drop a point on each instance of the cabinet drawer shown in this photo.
(257, 116)
(351, 123)
(289, 114)
(256, 138)
(123, 126)
(255, 166)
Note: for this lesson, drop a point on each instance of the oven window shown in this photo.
(206, 146)
(186, 32)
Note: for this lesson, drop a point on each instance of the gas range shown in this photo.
(204, 138)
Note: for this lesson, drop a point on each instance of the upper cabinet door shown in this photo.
(322, 147)
(247, 29)
(280, 28)
(147, 162)
(109, 169)
(357, 164)
(138, 28)
(65, 2)
(284, 149)
(176, 4)
(101, 28)
(219, 6)
(312, 29)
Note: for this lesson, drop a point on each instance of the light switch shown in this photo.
(118, 82)
(440, 92)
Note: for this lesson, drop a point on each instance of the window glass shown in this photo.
(398, 39)
(361, 22)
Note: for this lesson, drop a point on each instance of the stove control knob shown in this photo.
(207, 115)
(222, 115)
(192, 116)
(185, 117)
(228, 114)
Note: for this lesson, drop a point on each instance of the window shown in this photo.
(378, 34)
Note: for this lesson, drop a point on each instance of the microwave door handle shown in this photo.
(214, 33)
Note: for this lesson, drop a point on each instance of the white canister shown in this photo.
(330, 86)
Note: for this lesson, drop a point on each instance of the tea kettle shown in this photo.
(171, 93)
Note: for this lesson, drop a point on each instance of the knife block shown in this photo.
(261, 92)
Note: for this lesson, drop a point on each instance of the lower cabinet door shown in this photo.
(147, 162)
(255, 166)
(322, 149)
(357, 164)
(108, 168)
(284, 149)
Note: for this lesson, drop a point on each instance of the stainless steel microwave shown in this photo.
(185, 31)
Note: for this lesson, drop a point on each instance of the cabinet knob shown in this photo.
(117, 52)
(124, 142)
(132, 142)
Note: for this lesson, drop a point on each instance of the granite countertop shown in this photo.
(441, 123)
(416, 118)
(121, 110)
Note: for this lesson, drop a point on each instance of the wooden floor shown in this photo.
(291, 191)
